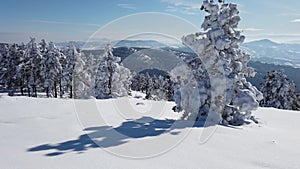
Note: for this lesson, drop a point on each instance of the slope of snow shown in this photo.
(49, 134)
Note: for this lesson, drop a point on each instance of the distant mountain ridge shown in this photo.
(264, 50)
(266, 56)
(267, 51)
(96, 45)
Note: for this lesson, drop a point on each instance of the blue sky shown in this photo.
(67, 20)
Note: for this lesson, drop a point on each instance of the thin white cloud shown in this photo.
(126, 6)
(286, 34)
(187, 7)
(296, 21)
(183, 10)
(251, 29)
(290, 14)
(193, 4)
(61, 23)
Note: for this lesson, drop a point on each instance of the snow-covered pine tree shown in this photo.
(139, 82)
(104, 75)
(10, 68)
(34, 56)
(21, 67)
(112, 79)
(226, 64)
(121, 82)
(160, 91)
(71, 54)
(278, 92)
(10, 72)
(43, 46)
(85, 75)
(298, 101)
(135, 82)
(91, 69)
(51, 70)
(168, 87)
(81, 79)
(15, 60)
(4, 55)
(150, 86)
(62, 61)
(158, 87)
(109, 76)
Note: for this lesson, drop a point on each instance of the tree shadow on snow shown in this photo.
(107, 136)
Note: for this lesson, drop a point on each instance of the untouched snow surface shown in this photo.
(49, 134)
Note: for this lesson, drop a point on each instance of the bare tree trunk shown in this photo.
(71, 91)
(47, 91)
(35, 92)
(22, 91)
(55, 90)
(28, 91)
(61, 92)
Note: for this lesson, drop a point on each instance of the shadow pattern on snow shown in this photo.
(107, 136)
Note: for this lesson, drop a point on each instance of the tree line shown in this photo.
(37, 67)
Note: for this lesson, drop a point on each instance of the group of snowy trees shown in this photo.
(37, 67)
(101, 76)
(42, 67)
(279, 93)
(156, 87)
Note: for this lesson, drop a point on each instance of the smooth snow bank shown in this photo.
(46, 133)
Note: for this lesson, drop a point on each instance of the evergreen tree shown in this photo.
(10, 69)
(168, 88)
(226, 64)
(51, 70)
(121, 82)
(139, 82)
(91, 71)
(81, 81)
(4, 55)
(20, 75)
(68, 68)
(111, 76)
(159, 88)
(150, 86)
(12, 63)
(105, 72)
(43, 46)
(278, 92)
(34, 56)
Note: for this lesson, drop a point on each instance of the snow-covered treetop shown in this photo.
(108, 51)
(221, 24)
(43, 45)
